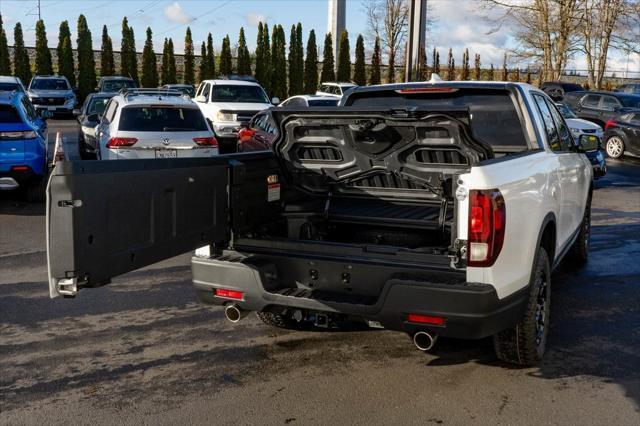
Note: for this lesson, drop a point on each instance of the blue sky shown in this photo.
(458, 23)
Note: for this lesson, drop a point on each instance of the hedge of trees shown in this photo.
(282, 73)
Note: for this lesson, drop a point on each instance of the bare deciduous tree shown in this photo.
(387, 19)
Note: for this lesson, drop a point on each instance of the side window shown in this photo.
(591, 101)
(28, 109)
(271, 125)
(206, 91)
(259, 123)
(550, 128)
(566, 140)
(324, 88)
(609, 103)
(110, 111)
(635, 119)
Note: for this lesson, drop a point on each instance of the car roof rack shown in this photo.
(128, 92)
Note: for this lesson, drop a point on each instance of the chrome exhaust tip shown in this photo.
(424, 341)
(234, 313)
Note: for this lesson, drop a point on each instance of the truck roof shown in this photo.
(231, 82)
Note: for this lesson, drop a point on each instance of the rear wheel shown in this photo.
(615, 147)
(525, 343)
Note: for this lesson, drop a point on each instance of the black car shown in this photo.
(622, 134)
(113, 84)
(187, 89)
(89, 117)
(557, 89)
(600, 107)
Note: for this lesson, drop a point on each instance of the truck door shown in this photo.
(105, 218)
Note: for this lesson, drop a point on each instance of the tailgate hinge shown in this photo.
(67, 286)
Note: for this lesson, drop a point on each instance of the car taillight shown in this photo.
(487, 220)
(609, 124)
(425, 319)
(8, 136)
(229, 294)
(19, 168)
(207, 141)
(121, 142)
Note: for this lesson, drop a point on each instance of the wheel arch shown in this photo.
(547, 237)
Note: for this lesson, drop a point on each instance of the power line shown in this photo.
(196, 18)
(141, 10)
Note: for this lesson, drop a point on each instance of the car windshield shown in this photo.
(8, 114)
(116, 85)
(630, 101)
(49, 84)
(324, 102)
(97, 105)
(187, 90)
(565, 111)
(9, 87)
(238, 93)
(162, 119)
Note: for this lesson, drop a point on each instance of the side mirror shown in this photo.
(45, 114)
(201, 99)
(76, 112)
(588, 143)
(94, 118)
(275, 100)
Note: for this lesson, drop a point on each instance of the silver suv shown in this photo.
(52, 93)
(153, 123)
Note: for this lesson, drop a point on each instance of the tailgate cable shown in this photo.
(327, 204)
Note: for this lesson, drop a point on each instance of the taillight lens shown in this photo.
(19, 168)
(121, 142)
(206, 141)
(425, 319)
(609, 124)
(29, 134)
(229, 294)
(487, 220)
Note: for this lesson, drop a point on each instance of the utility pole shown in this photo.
(39, 16)
(416, 39)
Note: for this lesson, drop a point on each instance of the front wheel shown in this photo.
(615, 147)
(525, 343)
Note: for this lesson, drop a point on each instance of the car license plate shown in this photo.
(166, 153)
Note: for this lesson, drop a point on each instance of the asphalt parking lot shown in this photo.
(144, 350)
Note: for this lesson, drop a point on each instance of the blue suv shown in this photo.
(23, 142)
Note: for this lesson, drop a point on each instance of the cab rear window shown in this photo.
(161, 119)
(494, 118)
(8, 114)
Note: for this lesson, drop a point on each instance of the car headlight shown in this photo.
(226, 116)
(576, 132)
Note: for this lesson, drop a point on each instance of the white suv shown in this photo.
(226, 104)
(153, 123)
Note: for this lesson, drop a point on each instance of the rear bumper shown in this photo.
(470, 310)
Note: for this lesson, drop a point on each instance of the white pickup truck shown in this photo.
(428, 208)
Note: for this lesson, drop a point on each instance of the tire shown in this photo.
(278, 320)
(579, 253)
(614, 146)
(525, 343)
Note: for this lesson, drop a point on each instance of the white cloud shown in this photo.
(253, 19)
(174, 13)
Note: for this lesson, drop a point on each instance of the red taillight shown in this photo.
(207, 141)
(121, 142)
(20, 168)
(245, 134)
(487, 216)
(229, 294)
(425, 319)
(609, 124)
(427, 90)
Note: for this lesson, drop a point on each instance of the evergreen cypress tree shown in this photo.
(21, 65)
(344, 58)
(107, 66)
(5, 62)
(423, 66)
(133, 55)
(477, 75)
(375, 63)
(451, 66)
(165, 62)
(465, 66)
(292, 58)
(65, 54)
(279, 63)
(189, 60)
(43, 55)
(204, 66)
(149, 62)
(311, 65)
(244, 57)
(299, 68)
(266, 58)
(490, 76)
(328, 65)
(211, 59)
(171, 64)
(226, 61)
(359, 70)
(260, 67)
(125, 49)
(436, 62)
(86, 61)
(505, 71)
